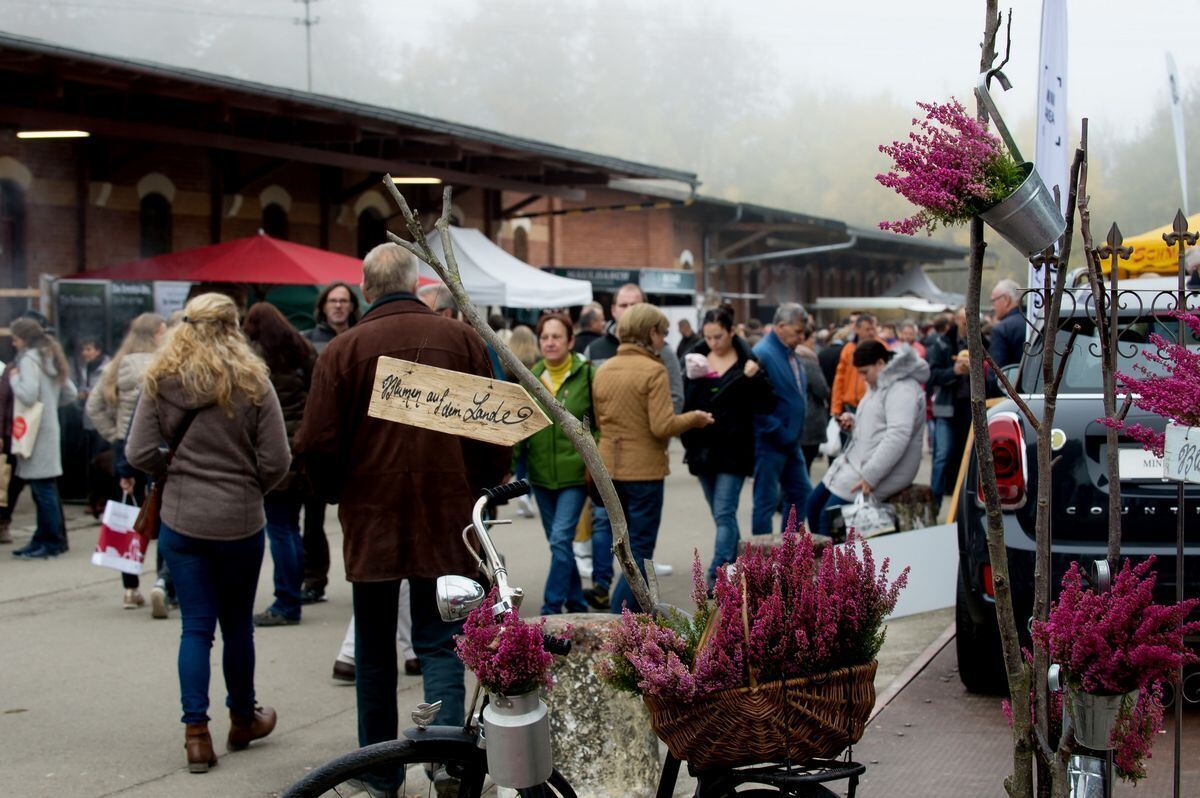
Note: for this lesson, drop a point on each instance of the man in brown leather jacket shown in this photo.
(404, 492)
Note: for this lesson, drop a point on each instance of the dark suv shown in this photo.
(1079, 510)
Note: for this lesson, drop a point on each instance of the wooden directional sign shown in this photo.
(458, 404)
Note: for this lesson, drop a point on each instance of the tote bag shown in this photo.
(27, 419)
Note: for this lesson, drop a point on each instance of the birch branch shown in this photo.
(574, 429)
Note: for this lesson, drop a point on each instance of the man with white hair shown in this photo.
(399, 488)
(1008, 331)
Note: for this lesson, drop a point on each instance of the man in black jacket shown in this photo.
(949, 386)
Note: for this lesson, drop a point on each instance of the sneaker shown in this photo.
(133, 599)
(525, 507)
(312, 595)
(272, 618)
(663, 569)
(158, 601)
(597, 597)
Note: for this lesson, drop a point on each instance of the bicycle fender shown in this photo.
(445, 734)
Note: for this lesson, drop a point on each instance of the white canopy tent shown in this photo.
(493, 277)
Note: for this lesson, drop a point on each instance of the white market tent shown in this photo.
(493, 277)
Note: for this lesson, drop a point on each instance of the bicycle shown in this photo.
(460, 751)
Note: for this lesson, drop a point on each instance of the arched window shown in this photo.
(12, 234)
(155, 217)
(521, 244)
(372, 230)
(275, 221)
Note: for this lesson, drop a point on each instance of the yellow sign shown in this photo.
(1151, 255)
(482, 408)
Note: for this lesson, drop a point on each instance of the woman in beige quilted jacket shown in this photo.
(110, 408)
(632, 397)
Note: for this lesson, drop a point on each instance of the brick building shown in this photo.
(176, 159)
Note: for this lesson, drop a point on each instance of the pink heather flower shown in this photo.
(1119, 640)
(505, 653)
(1174, 395)
(805, 615)
(951, 167)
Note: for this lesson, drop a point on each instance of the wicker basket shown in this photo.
(817, 716)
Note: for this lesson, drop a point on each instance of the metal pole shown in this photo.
(1180, 238)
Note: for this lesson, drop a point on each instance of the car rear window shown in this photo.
(1083, 374)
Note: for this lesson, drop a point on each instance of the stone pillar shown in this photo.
(602, 739)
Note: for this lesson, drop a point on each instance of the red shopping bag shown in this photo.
(119, 546)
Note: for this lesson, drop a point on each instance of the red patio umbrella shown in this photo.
(257, 259)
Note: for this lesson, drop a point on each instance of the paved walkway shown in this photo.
(936, 740)
(89, 700)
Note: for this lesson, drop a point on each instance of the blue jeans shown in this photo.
(375, 609)
(943, 448)
(602, 558)
(560, 511)
(287, 551)
(820, 501)
(723, 492)
(49, 532)
(643, 503)
(215, 582)
(775, 468)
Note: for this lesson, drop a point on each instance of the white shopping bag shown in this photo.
(119, 546)
(832, 446)
(868, 516)
(27, 419)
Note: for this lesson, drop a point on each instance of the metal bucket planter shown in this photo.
(517, 731)
(1028, 218)
(1094, 716)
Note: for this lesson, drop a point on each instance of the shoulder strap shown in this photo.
(188, 418)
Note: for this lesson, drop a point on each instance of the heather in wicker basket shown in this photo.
(778, 665)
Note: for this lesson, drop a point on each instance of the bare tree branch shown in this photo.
(1011, 391)
(578, 433)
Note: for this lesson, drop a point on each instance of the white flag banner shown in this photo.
(1177, 118)
(1050, 156)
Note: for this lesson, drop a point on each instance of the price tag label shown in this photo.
(1182, 459)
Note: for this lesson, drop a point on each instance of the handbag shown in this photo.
(27, 420)
(119, 546)
(868, 516)
(146, 523)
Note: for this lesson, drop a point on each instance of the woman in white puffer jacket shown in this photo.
(889, 427)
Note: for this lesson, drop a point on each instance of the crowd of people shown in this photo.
(258, 425)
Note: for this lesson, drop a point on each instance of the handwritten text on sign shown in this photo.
(1182, 460)
(457, 404)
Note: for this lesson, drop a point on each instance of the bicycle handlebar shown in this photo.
(509, 490)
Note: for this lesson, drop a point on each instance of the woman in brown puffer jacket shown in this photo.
(632, 397)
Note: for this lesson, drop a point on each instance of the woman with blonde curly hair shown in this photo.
(110, 407)
(210, 398)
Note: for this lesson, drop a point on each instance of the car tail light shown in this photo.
(985, 572)
(1008, 454)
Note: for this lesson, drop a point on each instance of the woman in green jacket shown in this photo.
(555, 468)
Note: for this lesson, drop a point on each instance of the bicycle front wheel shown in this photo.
(445, 768)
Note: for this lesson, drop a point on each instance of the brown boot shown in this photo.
(5, 532)
(248, 728)
(199, 747)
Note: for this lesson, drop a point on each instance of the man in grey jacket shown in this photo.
(889, 427)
